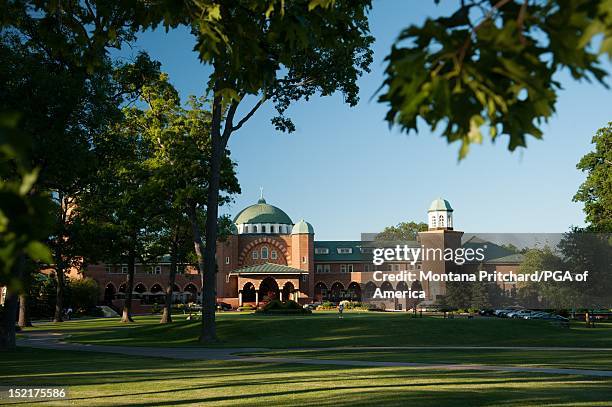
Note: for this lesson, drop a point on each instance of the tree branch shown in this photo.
(250, 114)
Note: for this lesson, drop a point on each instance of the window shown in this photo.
(255, 255)
(433, 221)
(264, 229)
(395, 267)
(246, 228)
(254, 228)
(155, 270)
(273, 255)
(304, 259)
(368, 267)
(346, 268)
(107, 269)
(345, 250)
(323, 268)
(321, 250)
(264, 252)
(124, 269)
(227, 260)
(367, 250)
(441, 220)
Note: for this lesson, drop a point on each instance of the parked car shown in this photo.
(486, 312)
(537, 315)
(520, 313)
(224, 306)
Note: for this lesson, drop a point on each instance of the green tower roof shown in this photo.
(440, 205)
(302, 227)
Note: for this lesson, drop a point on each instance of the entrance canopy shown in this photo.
(268, 269)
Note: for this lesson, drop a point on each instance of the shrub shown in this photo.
(83, 293)
(246, 308)
(278, 307)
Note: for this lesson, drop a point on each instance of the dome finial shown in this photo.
(261, 197)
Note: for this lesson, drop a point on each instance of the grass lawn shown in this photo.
(325, 329)
(105, 379)
(532, 358)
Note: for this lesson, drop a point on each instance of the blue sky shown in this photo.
(346, 172)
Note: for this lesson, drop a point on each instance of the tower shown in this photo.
(440, 215)
(439, 237)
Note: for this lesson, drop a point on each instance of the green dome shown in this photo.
(440, 205)
(302, 227)
(262, 212)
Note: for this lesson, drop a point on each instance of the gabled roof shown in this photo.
(513, 258)
(268, 268)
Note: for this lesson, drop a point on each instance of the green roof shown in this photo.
(302, 227)
(493, 253)
(333, 245)
(262, 212)
(268, 268)
(512, 258)
(440, 205)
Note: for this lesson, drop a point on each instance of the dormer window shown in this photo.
(321, 250)
(345, 250)
(264, 253)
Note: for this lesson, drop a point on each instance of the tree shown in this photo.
(492, 64)
(402, 231)
(178, 145)
(277, 51)
(596, 191)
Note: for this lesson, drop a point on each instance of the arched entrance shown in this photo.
(320, 292)
(193, 291)
(369, 290)
(248, 293)
(402, 304)
(156, 288)
(337, 292)
(354, 291)
(109, 293)
(387, 303)
(140, 288)
(268, 289)
(288, 290)
(413, 302)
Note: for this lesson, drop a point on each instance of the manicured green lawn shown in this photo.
(325, 329)
(597, 360)
(105, 379)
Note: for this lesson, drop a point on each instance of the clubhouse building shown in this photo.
(268, 256)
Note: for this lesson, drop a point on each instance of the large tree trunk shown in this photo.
(7, 324)
(210, 266)
(24, 317)
(129, 288)
(9, 313)
(197, 240)
(167, 312)
(60, 280)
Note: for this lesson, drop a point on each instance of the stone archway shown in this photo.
(109, 293)
(287, 292)
(193, 292)
(248, 293)
(369, 290)
(320, 292)
(337, 292)
(268, 289)
(354, 291)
